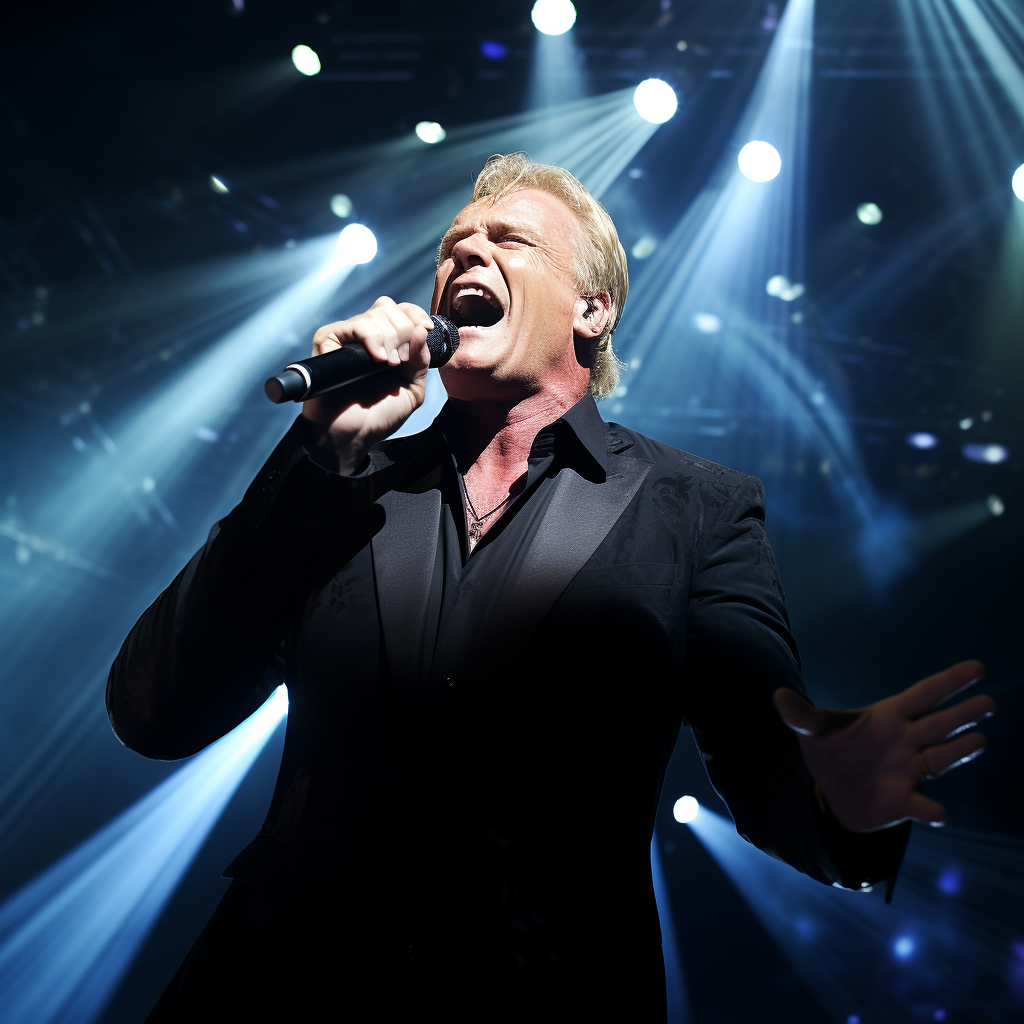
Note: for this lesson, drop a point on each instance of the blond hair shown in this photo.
(597, 267)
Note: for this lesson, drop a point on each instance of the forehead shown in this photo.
(529, 208)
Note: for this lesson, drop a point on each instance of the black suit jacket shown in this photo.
(488, 824)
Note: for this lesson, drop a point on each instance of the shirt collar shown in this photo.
(578, 435)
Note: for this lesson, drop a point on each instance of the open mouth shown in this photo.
(472, 305)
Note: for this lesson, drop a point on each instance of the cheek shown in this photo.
(518, 261)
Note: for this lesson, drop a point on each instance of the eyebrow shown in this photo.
(503, 226)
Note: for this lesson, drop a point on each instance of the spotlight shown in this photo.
(217, 185)
(1017, 183)
(655, 100)
(990, 453)
(553, 17)
(869, 213)
(341, 205)
(305, 60)
(922, 440)
(707, 323)
(644, 247)
(356, 244)
(685, 809)
(759, 161)
(903, 947)
(430, 132)
(995, 505)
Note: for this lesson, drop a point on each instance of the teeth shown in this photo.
(469, 291)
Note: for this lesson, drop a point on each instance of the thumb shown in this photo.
(797, 712)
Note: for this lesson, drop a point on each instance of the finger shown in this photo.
(374, 333)
(942, 725)
(797, 712)
(417, 314)
(946, 756)
(923, 808)
(406, 331)
(929, 693)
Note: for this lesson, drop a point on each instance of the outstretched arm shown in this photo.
(868, 764)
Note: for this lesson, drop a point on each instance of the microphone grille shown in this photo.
(442, 341)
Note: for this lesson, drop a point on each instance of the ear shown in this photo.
(590, 316)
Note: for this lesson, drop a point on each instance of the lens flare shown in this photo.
(306, 60)
(759, 161)
(655, 100)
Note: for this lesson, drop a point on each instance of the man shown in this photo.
(491, 633)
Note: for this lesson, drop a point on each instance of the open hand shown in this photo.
(868, 763)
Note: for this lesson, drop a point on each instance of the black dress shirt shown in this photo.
(476, 743)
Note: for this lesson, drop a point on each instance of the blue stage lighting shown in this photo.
(995, 504)
(341, 205)
(989, 453)
(759, 161)
(306, 60)
(707, 323)
(67, 938)
(655, 100)
(218, 185)
(1017, 183)
(869, 213)
(949, 881)
(922, 440)
(685, 809)
(904, 947)
(553, 17)
(493, 50)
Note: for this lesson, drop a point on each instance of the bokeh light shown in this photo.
(922, 440)
(759, 161)
(869, 213)
(430, 132)
(306, 60)
(1017, 183)
(988, 453)
(655, 100)
(356, 244)
(685, 809)
(341, 205)
(553, 17)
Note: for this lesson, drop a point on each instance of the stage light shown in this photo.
(869, 213)
(681, 45)
(217, 184)
(759, 161)
(990, 453)
(707, 323)
(306, 60)
(655, 100)
(685, 809)
(995, 505)
(644, 247)
(553, 17)
(780, 287)
(966, 423)
(356, 244)
(341, 205)
(493, 50)
(1017, 183)
(949, 882)
(922, 440)
(430, 132)
(904, 947)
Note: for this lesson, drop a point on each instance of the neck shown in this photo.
(492, 439)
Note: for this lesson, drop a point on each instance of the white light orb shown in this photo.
(759, 161)
(430, 132)
(655, 100)
(904, 947)
(1017, 183)
(217, 185)
(685, 809)
(306, 60)
(356, 244)
(922, 440)
(995, 505)
(341, 205)
(869, 213)
(644, 247)
(967, 422)
(707, 323)
(553, 17)
(992, 454)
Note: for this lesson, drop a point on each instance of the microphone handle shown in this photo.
(308, 378)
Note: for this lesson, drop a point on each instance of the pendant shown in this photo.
(476, 531)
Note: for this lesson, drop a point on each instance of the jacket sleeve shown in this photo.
(205, 654)
(739, 651)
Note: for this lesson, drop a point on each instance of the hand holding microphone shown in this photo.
(347, 422)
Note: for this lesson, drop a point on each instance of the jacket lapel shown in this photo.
(575, 523)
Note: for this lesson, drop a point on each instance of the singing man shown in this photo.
(491, 633)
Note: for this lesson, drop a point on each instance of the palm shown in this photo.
(868, 763)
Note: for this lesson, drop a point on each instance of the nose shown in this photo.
(471, 251)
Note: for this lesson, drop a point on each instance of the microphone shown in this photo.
(311, 377)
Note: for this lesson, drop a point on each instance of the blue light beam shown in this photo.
(68, 936)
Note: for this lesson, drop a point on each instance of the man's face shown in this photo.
(505, 278)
